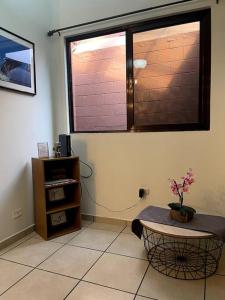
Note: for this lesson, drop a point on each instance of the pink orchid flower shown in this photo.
(179, 189)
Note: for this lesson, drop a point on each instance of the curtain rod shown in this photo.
(52, 32)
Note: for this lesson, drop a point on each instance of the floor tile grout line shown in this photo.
(28, 238)
(127, 256)
(106, 250)
(94, 263)
(16, 282)
(37, 267)
(142, 279)
(76, 246)
(71, 290)
(126, 232)
(52, 241)
(124, 255)
(33, 236)
(109, 287)
(83, 280)
(68, 242)
(145, 297)
(79, 280)
(76, 233)
(33, 268)
(50, 255)
(81, 231)
(18, 263)
(136, 294)
(56, 273)
(62, 244)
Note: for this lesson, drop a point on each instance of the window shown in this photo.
(99, 83)
(150, 76)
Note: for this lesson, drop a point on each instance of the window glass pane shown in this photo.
(166, 85)
(99, 83)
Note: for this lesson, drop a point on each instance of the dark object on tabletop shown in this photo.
(182, 213)
(56, 149)
(65, 142)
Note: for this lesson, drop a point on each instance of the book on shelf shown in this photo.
(52, 183)
(58, 218)
(56, 194)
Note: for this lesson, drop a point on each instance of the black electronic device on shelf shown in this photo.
(65, 149)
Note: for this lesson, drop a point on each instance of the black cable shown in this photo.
(90, 196)
(105, 207)
(90, 168)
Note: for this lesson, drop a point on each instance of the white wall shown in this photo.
(123, 162)
(24, 120)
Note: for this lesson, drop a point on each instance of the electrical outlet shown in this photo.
(143, 192)
(17, 213)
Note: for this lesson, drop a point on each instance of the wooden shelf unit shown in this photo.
(64, 173)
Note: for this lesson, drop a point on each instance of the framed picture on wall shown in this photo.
(17, 63)
(43, 151)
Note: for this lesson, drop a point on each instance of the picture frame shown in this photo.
(56, 194)
(17, 63)
(58, 218)
(43, 151)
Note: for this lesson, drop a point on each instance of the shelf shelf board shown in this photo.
(61, 177)
(59, 183)
(49, 159)
(61, 207)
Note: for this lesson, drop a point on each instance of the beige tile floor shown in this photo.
(100, 262)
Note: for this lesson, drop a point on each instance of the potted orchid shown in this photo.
(180, 212)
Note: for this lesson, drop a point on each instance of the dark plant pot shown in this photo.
(180, 214)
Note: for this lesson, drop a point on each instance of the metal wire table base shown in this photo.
(182, 258)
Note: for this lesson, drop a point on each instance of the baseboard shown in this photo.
(19, 235)
(87, 217)
(105, 220)
(15, 237)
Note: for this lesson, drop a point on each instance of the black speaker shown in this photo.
(65, 142)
